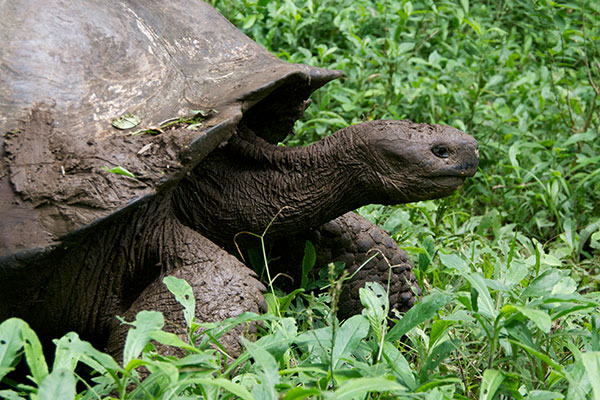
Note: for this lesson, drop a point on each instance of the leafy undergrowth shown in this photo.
(508, 265)
(525, 333)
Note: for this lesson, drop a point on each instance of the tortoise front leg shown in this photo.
(353, 239)
(223, 287)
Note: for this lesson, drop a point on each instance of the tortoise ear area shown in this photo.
(273, 117)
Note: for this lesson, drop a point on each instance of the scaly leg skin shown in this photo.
(223, 288)
(353, 240)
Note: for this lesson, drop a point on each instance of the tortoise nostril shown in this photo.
(440, 151)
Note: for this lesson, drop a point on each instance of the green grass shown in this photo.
(508, 265)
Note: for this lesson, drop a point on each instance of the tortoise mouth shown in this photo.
(463, 172)
(449, 180)
(453, 175)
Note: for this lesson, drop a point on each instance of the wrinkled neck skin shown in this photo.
(245, 185)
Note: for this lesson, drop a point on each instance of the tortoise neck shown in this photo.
(249, 182)
(326, 153)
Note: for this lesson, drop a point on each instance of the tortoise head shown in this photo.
(415, 162)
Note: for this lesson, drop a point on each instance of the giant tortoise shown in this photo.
(81, 243)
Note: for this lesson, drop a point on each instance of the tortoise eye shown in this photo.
(441, 151)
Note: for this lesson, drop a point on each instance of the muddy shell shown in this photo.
(69, 69)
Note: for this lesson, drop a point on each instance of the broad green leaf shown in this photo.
(272, 303)
(285, 301)
(589, 135)
(473, 24)
(438, 383)
(249, 21)
(507, 310)
(11, 343)
(145, 324)
(196, 359)
(10, 395)
(398, 364)
(404, 47)
(438, 328)
(277, 343)
(282, 334)
(171, 339)
(60, 384)
(549, 259)
(231, 387)
(474, 299)
(347, 338)
(434, 59)
(374, 298)
(34, 354)
(316, 337)
(490, 383)
(513, 152)
(455, 262)
(496, 285)
(595, 331)
(166, 372)
(494, 80)
(70, 349)
(566, 285)
(320, 370)
(517, 271)
(590, 234)
(580, 387)
(194, 127)
(126, 121)
(356, 388)
(543, 284)
(65, 357)
(437, 355)
(119, 171)
(544, 395)
(268, 371)
(436, 394)
(519, 331)
(299, 393)
(423, 311)
(485, 302)
(426, 253)
(540, 318)
(591, 363)
(185, 296)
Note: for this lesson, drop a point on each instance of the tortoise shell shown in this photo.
(68, 70)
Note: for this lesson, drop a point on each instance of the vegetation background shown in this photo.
(509, 264)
